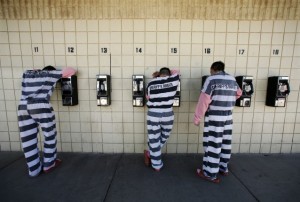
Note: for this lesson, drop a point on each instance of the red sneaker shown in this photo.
(57, 162)
(201, 174)
(147, 158)
(223, 173)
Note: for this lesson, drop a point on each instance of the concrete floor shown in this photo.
(123, 177)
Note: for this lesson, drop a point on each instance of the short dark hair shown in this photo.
(49, 68)
(165, 71)
(218, 66)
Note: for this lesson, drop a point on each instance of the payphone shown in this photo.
(246, 85)
(177, 96)
(103, 90)
(138, 90)
(277, 91)
(69, 91)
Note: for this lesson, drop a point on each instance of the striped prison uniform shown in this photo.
(220, 92)
(35, 110)
(160, 116)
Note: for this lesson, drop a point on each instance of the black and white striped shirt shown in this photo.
(161, 91)
(39, 84)
(222, 89)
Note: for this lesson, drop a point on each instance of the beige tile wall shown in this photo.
(247, 48)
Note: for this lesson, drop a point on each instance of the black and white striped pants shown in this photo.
(159, 126)
(31, 115)
(217, 138)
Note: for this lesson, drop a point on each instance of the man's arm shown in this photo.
(201, 108)
(238, 93)
(67, 72)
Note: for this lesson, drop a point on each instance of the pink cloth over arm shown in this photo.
(201, 108)
(174, 71)
(238, 93)
(67, 72)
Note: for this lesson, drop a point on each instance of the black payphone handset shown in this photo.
(177, 96)
(69, 91)
(138, 90)
(277, 91)
(103, 90)
(246, 85)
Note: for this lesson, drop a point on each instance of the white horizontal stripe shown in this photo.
(215, 139)
(214, 150)
(227, 137)
(26, 122)
(218, 108)
(225, 156)
(211, 160)
(29, 143)
(211, 170)
(28, 132)
(160, 110)
(31, 153)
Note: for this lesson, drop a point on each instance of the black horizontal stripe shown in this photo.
(161, 99)
(29, 137)
(48, 129)
(214, 144)
(227, 142)
(22, 107)
(33, 157)
(39, 111)
(164, 80)
(49, 138)
(49, 155)
(226, 151)
(225, 92)
(219, 112)
(161, 106)
(157, 158)
(30, 148)
(39, 91)
(35, 167)
(47, 120)
(223, 103)
(167, 130)
(28, 127)
(213, 155)
(164, 90)
(49, 146)
(154, 131)
(212, 165)
(24, 117)
(38, 83)
(157, 114)
(154, 140)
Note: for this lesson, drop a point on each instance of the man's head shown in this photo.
(164, 72)
(217, 67)
(49, 68)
